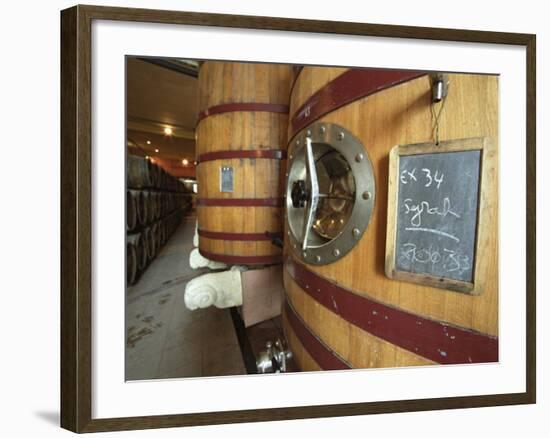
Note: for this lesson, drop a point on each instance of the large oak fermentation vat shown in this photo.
(342, 310)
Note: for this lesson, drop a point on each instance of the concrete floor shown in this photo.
(163, 338)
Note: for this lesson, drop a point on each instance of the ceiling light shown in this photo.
(184, 162)
(168, 130)
(148, 141)
(157, 151)
(146, 157)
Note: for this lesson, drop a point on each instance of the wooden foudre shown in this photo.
(349, 313)
(241, 152)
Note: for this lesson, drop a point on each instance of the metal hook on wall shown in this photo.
(440, 89)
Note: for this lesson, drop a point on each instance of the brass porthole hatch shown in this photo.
(330, 193)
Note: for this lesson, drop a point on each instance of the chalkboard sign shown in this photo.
(434, 207)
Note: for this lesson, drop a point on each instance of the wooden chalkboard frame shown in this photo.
(487, 162)
(76, 219)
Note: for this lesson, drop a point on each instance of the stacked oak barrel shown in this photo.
(155, 205)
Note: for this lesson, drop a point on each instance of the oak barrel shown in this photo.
(138, 243)
(149, 243)
(131, 264)
(141, 172)
(241, 138)
(131, 211)
(349, 314)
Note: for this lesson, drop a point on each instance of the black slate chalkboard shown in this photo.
(437, 213)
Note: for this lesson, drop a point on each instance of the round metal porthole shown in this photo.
(329, 194)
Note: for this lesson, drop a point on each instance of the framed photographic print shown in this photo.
(344, 221)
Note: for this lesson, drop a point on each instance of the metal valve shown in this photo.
(274, 358)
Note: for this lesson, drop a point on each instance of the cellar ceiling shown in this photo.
(161, 94)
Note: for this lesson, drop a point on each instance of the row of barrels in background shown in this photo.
(155, 205)
(142, 173)
(143, 247)
(143, 207)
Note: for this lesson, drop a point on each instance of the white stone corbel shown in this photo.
(196, 235)
(196, 261)
(220, 289)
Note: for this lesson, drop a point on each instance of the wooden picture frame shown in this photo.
(76, 218)
(483, 239)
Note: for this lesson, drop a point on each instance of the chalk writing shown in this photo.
(424, 207)
(447, 259)
(408, 176)
(437, 214)
(431, 230)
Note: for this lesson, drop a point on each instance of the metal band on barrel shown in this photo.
(274, 154)
(245, 260)
(243, 106)
(240, 202)
(216, 235)
(326, 358)
(351, 85)
(435, 340)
